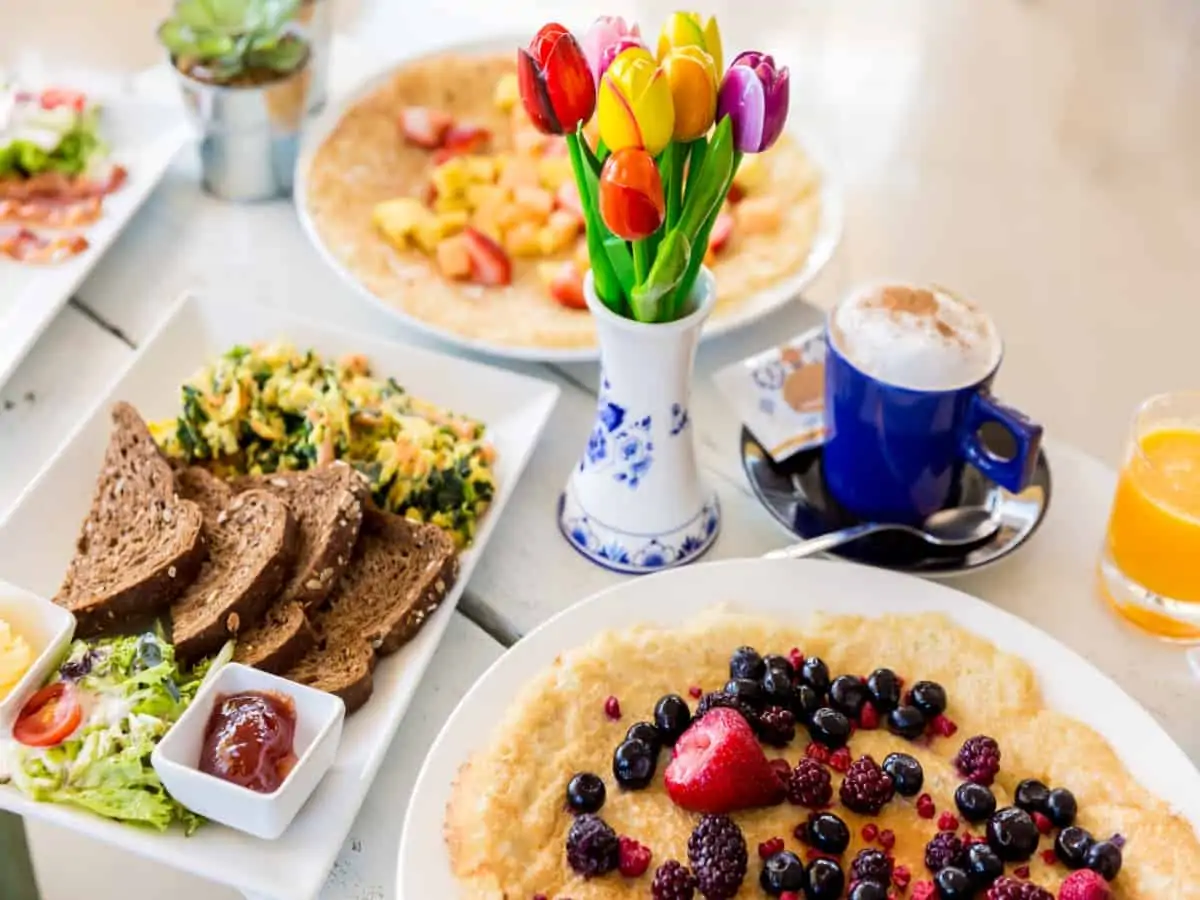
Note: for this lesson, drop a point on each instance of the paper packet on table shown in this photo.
(779, 394)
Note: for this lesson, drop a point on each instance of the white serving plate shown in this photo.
(829, 232)
(143, 136)
(37, 539)
(789, 590)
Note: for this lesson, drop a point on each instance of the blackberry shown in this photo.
(944, 849)
(1104, 858)
(866, 787)
(1072, 846)
(974, 801)
(1012, 834)
(953, 884)
(907, 774)
(673, 881)
(716, 699)
(825, 880)
(585, 793)
(592, 846)
(1011, 889)
(746, 663)
(717, 853)
(872, 865)
(983, 865)
(747, 690)
(810, 784)
(1061, 807)
(978, 759)
(929, 697)
(1031, 795)
(826, 832)
(672, 718)
(885, 689)
(847, 695)
(776, 726)
(829, 727)
(815, 674)
(781, 872)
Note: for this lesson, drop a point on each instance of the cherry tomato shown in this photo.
(49, 716)
(55, 97)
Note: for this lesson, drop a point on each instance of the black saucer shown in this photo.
(794, 493)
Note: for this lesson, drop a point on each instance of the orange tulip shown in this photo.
(631, 194)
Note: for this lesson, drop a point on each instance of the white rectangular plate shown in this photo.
(37, 539)
(143, 137)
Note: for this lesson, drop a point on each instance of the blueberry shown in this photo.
(983, 865)
(672, 718)
(782, 872)
(1072, 846)
(747, 690)
(825, 880)
(815, 674)
(1061, 807)
(779, 664)
(953, 884)
(585, 793)
(885, 689)
(805, 702)
(868, 890)
(1012, 834)
(1031, 795)
(1104, 858)
(828, 833)
(975, 801)
(777, 686)
(644, 731)
(633, 764)
(929, 697)
(829, 727)
(847, 695)
(907, 774)
(906, 721)
(746, 663)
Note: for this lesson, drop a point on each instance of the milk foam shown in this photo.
(919, 338)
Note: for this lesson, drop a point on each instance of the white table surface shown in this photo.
(185, 240)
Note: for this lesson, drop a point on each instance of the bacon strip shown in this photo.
(57, 186)
(27, 246)
(50, 213)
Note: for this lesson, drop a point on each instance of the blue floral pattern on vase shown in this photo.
(679, 418)
(642, 553)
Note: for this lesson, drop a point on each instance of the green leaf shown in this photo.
(617, 251)
(711, 182)
(221, 34)
(693, 271)
(650, 300)
(593, 160)
(608, 286)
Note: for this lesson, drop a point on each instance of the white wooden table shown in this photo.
(185, 240)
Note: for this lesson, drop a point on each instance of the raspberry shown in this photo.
(947, 821)
(612, 708)
(810, 785)
(634, 858)
(870, 831)
(770, 848)
(715, 699)
(717, 852)
(592, 847)
(872, 865)
(944, 849)
(901, 876)
(816, 751)
(1005, 888)
(796, 658)
(1084, 885)
(1022, 872)
(776, 726)
(1044, 825)
(925, 807)
(673, 881)
(840, 760)
(1049, 857)
(924, 890)
(979, 759)
(866, 787)
(887, 839)
(868, 718)
(942, 726)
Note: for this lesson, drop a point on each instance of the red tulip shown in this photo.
(557, 89)
(631, 194)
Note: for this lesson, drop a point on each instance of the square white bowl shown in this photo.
(47, 628)
(176, 759)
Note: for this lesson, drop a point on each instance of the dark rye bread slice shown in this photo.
(251, 548)
(400, 573)
(279, 641)
(140, 544)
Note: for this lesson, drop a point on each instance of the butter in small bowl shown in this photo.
(34, 635)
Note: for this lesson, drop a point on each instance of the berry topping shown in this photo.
(1085, 885)
(585, 793)
(748, 690)
(796, 658)
(645, 732)
(1031, 795)
(907, 774)
(1104, 858)
(672, 718)
(810, 785)
(907, 722)
(767, 849)
(815, 674)
(944, 849)
(695, 691)
(825, 880)
(780, 664)
(612, 708)
(1061, 807)
(722, 700)
(942, 726)
(978, 759)
(1044, 825)
(1022, 872)
(866, 787)
(827, 833)
(829, 727)
(777, 688)
(868, 890)
(924, 890)
(1010, 889)
(673, 881)
(901, 877)
(884, 688)
(805, 702)
(1071, 846)
(840, 759)
(847, 695)
(776, 726)
(1012, 834)
(868, 718)
(633, 764)
(634, 858)
(592, 847)
(953, 883)
(983, 865)
(925, 807)
(816, 751)
(746, 663)
(887, 839)
(1049, 857)
(719, 766)
(870, 832)
(975, 801)
(782, 872)
(872, 865)
(782, 768)
(929, 697)
(717, 853)
(947, 821)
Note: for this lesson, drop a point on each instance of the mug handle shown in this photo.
(1012, 474)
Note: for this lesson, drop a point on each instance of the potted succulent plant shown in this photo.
(244, 71)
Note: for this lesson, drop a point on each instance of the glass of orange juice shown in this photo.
(1150, 568)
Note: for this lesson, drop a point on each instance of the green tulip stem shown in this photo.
(675, 158)
(608, 286)
(697, 150)
(641, 261)
(697, 258)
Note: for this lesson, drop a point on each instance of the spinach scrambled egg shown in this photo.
(261, 409)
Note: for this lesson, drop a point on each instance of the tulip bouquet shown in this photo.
(672, 133)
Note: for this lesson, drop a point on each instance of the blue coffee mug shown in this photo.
(895, 454)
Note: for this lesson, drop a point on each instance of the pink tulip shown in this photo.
(607, 37)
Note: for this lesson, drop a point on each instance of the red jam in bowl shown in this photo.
(248, 740)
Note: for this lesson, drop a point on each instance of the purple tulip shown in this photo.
(755, 95)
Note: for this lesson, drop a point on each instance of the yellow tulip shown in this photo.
(634, 107)
(693, 80)
(685, 29)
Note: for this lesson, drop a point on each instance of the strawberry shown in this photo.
(490, 265)
(718, 766)
(736, 193)
(466, 138)
(52, 98)
(721, 232)
(567, 198)
(567, 286)
(1084, 885)
(424, 127)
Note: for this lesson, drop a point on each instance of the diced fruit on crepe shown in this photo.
(490, 265)
(555, 171)
(424, 127)
(583, 261)
(507, 92)
(537, 202)
(483, 197)
(453, 258)
(523, 239)
(431, 232)
(564, 282)
(567, 199)
(752, 174)
(759, 215)
(559, 231)
(722, 231)
(398, 219)
(518, 171)
(466, 138)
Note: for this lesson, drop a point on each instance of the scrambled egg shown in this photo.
(266, 408)
(16, 657)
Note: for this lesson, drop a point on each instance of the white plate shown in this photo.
(143, 137)
(825, 241)
(37, 538)
(787, 589)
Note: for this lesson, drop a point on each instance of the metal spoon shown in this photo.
(945, 529)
